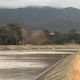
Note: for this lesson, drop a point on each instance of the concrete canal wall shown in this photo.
(60, 70)
(22, 65)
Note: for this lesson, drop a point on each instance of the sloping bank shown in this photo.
(66, 69)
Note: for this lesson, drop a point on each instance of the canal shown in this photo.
(26, 66)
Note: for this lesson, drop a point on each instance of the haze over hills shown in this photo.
(53, 19)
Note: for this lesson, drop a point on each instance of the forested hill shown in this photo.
(53, 19)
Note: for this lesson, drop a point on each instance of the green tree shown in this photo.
(72, 36)
(10, 34)
(60, 38)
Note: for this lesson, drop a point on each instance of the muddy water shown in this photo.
(26, 66)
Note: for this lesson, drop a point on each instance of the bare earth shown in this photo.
(75, 70)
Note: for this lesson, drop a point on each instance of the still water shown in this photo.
(26, 66)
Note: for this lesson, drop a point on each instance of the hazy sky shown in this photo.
(25, 3)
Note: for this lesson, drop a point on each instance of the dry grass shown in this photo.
(38, 47)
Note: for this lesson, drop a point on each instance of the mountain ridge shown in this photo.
(53, 19)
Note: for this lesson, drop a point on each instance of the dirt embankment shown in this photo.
(75, 69)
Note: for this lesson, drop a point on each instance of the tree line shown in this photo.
(73, 36)
(13, 34)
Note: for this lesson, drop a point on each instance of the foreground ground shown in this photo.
(59, 69)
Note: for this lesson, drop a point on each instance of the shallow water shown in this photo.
(26, 66)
